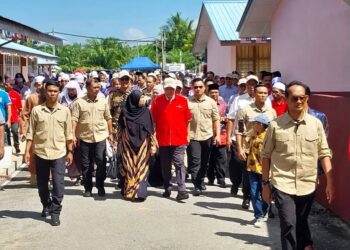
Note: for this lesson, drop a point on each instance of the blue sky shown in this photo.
(132, 19)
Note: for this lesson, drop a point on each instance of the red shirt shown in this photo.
(171, 119)
(280, 106)
(16, 105)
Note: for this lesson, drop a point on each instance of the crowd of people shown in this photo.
(255, 129)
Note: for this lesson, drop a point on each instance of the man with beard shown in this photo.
(33, 100)
(70, 94)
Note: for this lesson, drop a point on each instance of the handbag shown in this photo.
(112, 162)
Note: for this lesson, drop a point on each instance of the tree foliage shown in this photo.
(110, 53)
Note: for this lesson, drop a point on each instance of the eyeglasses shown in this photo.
(301, 98)
(197, 87)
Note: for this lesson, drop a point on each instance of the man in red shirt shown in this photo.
(171, 116)
(279, 103)
(16, 108)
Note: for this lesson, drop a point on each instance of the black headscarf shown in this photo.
(137, 120)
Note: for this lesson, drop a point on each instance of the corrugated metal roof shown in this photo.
(24, 49)
(225, 17)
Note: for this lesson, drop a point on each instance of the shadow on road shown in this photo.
(21, 215)
(224, 218)
(248, 238)
(217, 205)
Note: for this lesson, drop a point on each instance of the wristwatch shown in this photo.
(70, 151)
(265, 182)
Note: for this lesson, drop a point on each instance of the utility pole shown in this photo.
(53, 46)
(163, 51)
(157, 58)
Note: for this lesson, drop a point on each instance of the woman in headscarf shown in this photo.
(138, 144)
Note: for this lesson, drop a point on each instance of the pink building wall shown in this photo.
(311, 43)
(221, 59)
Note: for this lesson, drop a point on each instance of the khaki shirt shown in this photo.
(91, 117)
(49, 131)
(293, 151)
(204, 113)
(245, 119)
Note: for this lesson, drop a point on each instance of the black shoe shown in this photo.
(203, 187)
(245, 203)
(182, 195)
(45, 213)
(55, 220)
(139, 199)
(234, 191)
(210, 183)
(197, 192)
(101, 191)
(222, 184)
(87, 194)
(166, 193)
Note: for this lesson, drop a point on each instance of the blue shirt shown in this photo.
(2, 120)
(4, 101)
(323, 118)
(226, 92)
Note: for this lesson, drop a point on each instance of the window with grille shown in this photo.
(253, 57)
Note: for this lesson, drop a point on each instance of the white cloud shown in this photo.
(133, 33)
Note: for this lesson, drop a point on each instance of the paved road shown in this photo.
(213, 221)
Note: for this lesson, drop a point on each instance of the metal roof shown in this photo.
(24, 49)
(225, 17)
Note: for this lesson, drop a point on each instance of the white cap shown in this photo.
(172, 75)
(169, 83)
(252, 77)
(39, 79)
(124, 73)
(242, 81)
(179, 84)
(79, 78)
(93, 74)
(280, 86)
(115, 75)
(153, 75)
(64, 77)
(235, 76)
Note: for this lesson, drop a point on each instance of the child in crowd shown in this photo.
(254, 168)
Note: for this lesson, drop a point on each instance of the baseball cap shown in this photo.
(242, 81)
(262, 119)
(169, 83)
(252, 77)
(124, 73)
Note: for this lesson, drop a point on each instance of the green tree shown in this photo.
(108, 53)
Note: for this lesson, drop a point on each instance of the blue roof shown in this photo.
(140, 63)
(24, 49)
(225, 17)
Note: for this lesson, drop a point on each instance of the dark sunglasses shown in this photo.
(299, 98)
(197, 87)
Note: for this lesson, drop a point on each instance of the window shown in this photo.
(252, 57)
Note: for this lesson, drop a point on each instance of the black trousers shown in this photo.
(14, 131)
(217, 163)
(57, 168)
(293, 212)
(198, 153)
(93, 153)
(238, 172)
